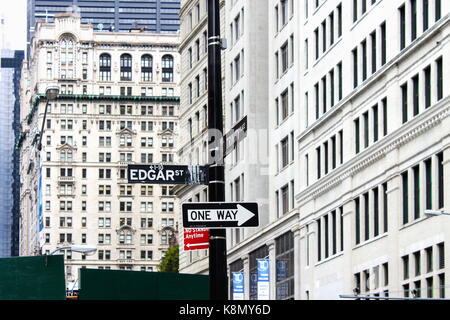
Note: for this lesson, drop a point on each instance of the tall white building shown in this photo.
(271, 70)
(118, 105)
(373, 149)
(357, 111)
(247, 167)
(193, 120)
(242, 100)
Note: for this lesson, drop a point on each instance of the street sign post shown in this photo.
(167, 174)
(217, 215)
(196, 239)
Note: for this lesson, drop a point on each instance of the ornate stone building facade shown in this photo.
(118, 104)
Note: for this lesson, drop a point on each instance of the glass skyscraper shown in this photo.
(10, 72)
(160, 16)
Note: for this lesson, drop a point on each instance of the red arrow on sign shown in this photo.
(196, 239)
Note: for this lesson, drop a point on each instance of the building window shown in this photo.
(125, 67)
(427, 75)
(440, 174)
(284, 57)
(402, 15)
(284, 104)
(285, 199)
(439, 75)
(405, 196)
(190, 58)
(376, 211)
(404, 90)
(383, 43)
(237, 68)
(364, 59)
(357, 221)
(284, 152)
(413, 4)
(284, 12)
(357, 135)
(237, 266)
(284, 264)
(167, 68)
(415, 83)
(105, 67)
(366, 129)
(146, 68)
(416, 191)
(355, 67)
(319, 162)
(67, 51)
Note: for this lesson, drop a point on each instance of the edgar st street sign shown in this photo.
(167, 174)
(213, 215)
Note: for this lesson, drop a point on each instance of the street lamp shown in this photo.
(432, 213)
(80, 249)
(50, 93)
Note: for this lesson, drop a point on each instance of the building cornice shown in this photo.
(91, 97)
(265, 235)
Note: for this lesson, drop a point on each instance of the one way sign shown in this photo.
(213, 215)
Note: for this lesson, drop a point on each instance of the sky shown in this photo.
(15, 14)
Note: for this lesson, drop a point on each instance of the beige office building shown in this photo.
(118, 104)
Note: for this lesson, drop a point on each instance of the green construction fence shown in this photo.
(138, 285)
(32, 278)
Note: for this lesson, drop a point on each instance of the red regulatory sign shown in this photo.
(196, 239)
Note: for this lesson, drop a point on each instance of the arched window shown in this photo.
(146, 68)
(125, 67)
(67, 56)
(167, 68)
(105, 67)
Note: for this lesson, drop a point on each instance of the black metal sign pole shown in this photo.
(218, 284)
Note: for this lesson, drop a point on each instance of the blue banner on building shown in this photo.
(263, 279)
(40, 211)
(238, 286)
(282, 269)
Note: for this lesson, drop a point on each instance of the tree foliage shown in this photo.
(170, 262)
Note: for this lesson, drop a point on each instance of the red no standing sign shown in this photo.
(196, 239)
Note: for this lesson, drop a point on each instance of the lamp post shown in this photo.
(50, 93)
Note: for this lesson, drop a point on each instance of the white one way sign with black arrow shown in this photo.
(214, 215)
